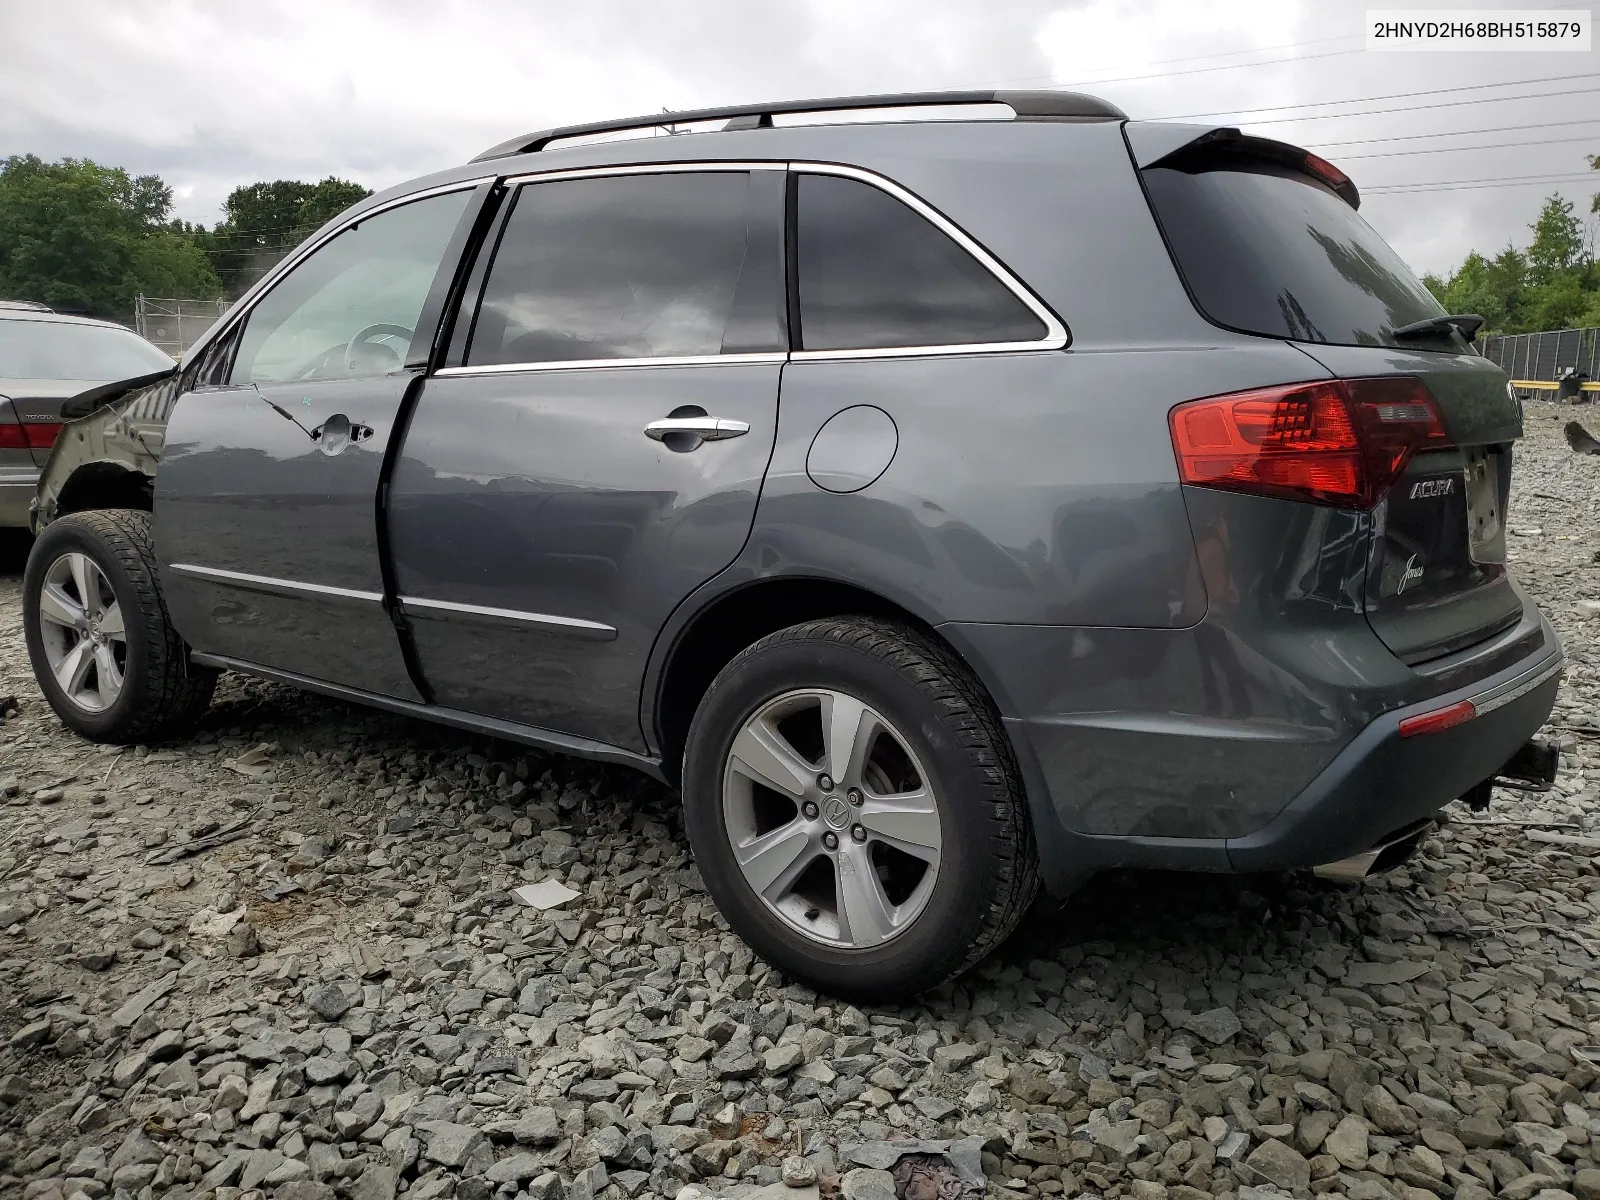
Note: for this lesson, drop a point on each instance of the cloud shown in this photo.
(214, 93)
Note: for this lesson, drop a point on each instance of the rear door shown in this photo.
(599, 452)
(267, 498)
(1269, 242)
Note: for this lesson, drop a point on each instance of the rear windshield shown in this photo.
(1265, 249)
(65, 350)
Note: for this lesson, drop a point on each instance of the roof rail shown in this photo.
(1028, 106)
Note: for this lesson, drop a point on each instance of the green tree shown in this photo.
(1557, 244)
(264, 221)
(83, 237)
(1493, 288)
(166, 262)
(1554, 284)
(1558, 304)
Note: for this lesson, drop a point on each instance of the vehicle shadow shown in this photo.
(1148, 910)
(14, 547)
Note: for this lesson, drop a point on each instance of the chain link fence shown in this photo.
(174, 325)
(1546, 356)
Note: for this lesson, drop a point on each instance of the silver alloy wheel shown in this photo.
(831, 818)
(80, 624)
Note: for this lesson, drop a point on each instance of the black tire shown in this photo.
(163, 695)
(988, 869)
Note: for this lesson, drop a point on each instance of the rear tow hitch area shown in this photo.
(1385, 856)
(1531, 769)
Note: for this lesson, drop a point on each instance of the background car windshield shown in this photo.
(64, 350)
(1268, 250)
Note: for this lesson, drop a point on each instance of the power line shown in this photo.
(1474, 87)
(1471, 187)
(1379, 112)
(1270, 62)
(222, 229)
(1582, 137)
(1052, 81)
(1412, 137)
(1463, 184)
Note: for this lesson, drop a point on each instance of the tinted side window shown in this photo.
(350, 309)
(874, 273)
(636, 266)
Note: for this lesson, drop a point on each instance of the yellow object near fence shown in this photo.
(1548, 385)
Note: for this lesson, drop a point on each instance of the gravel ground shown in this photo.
(282, 960)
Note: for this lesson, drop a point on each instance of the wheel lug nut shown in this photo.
(830, 840)
(810, 809)
(858, 834)
(825, 782)
(854, 796)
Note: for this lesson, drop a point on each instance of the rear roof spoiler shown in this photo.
(1153, 143)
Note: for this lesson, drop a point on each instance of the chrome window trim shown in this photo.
(273, 585)
(450, 610)
(590, 364)
(1055, 338)
(801, 356)
(707, 166)
(247, 303)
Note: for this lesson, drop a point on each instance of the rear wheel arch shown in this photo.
(735, 619)
(97, 485)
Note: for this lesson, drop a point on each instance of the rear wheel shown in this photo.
(855, 809)
(103, 650)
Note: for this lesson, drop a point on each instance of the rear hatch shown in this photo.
(1269, 242)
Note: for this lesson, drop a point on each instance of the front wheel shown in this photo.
(103, 649)
(855, 809)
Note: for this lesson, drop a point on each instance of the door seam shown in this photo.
(386, 567)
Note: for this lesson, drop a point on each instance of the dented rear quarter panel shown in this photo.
(125, 431)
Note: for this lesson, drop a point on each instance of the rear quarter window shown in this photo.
(1268, 250)
(874, 274)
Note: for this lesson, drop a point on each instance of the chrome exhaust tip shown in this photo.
(1348, 870)
(1385, 856)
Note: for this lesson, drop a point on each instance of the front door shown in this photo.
(266, 500)
(600, 452)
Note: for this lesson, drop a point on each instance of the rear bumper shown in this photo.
(1382, 782)
(1318, 779)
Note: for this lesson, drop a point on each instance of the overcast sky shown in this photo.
(210, 94)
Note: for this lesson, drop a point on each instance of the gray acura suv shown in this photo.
(941, 505)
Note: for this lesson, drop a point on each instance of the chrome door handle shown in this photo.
(708, 429)
(338, 432)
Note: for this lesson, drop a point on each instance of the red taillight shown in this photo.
(1339, 442)
(1434, 722)
(33, 435)
(42, 434)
